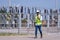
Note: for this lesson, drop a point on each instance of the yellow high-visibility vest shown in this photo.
(38, 21)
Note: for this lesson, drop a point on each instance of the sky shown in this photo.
(33, 3)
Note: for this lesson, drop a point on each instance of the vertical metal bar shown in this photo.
(19, 22)
(28, 21)
(58, 21)
(48, 21)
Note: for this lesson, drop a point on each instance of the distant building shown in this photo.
(11, 9)
(45, 11)
(3, 10)
(51, 11)
(59, 10)
(55, 11)
(53, 16)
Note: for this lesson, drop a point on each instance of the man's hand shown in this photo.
(38, 18)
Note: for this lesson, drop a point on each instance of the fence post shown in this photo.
(28, 23)
(48, 21)
(58, 21)
(19, 22)
(13, 24)
(28, 20)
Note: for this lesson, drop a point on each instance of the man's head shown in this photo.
(38, 12)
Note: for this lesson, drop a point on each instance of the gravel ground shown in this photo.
(48, 36)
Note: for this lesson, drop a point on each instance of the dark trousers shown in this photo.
(36, 29)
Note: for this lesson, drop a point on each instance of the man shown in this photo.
(38, 23)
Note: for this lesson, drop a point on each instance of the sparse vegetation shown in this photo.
(24, 20)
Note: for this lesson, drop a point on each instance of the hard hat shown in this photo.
(38, 11)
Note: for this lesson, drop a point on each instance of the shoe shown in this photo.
(40, 37)
(35, 37)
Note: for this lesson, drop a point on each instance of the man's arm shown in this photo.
(41, 18)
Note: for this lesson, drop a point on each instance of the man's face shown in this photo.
(37, 13)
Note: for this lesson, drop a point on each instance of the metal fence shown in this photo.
(21, 25)
(20, 22)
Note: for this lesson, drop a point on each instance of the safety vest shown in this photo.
(38, 21)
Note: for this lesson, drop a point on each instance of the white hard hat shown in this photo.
(38, 11)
